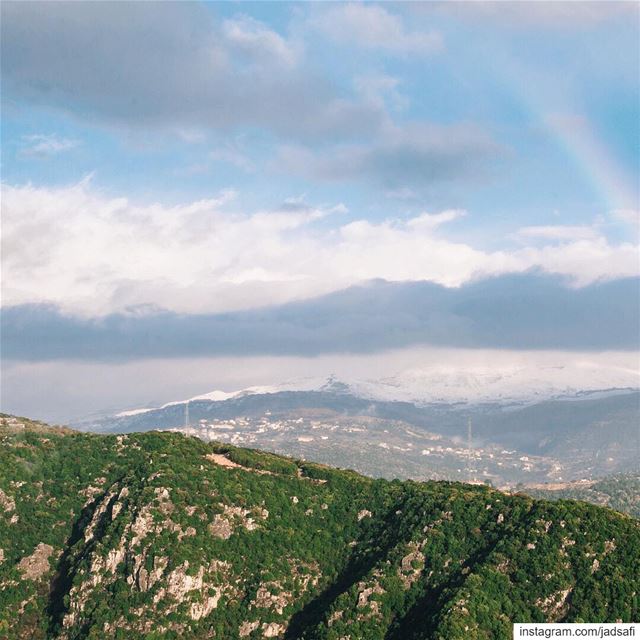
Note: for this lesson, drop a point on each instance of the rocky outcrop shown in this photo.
(411, 565)
(367, 589)
(225, 523)
(33, 567)
(145, 578)
(555, 605)
(273, 629)
(181, 586)
(7, 503)
(246, 628)
(271, 595)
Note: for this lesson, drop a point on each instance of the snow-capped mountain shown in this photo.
(505, 385)
(472, 385)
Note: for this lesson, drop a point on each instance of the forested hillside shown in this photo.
(620, 492)
(158, 535)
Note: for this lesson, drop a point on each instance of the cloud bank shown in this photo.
(171, 66)
(92, 255)
(510, 312)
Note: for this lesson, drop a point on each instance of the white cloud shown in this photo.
(373, 27)
(93, 254)
(428, 221)
(630, 217)
(41, 144)
(559, 232)
(253, 38)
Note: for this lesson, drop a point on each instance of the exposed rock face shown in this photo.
(180, 583)
(411, 565)
(270, 595)
(225, 523)
(223, 461)
(90, 493)
(365, 513)
(336, 615)
(33, 567)
(180, 586)
(555, 605)
(272, 630)
(114, 558)
(246, 628)
(366, 589)
(141, 526)
(203, 609)
(145, 579)
(221, 528)
(7, 502)
(98, 514)
(117, 506)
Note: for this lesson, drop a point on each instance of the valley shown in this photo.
(579, 436)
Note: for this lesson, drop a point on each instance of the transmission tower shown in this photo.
(470, 475)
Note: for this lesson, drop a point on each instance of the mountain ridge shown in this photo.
(158, 535)
(475, 385)
(582, 436)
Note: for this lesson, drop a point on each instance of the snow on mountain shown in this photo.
(298, 384)
(438, 384)
(505, 385)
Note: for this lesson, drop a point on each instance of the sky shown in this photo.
(213, 175)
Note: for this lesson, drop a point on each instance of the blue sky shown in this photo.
(207, 158)
(486, 79)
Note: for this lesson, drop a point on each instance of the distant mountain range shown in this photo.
(473, 385)
(527, 425)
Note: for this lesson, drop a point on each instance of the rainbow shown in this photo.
(589, 152)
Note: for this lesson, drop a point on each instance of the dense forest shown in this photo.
(159, 535)
(620, 492)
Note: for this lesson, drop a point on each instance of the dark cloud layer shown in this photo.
(171, 65)
(418, 155)
(528, 311)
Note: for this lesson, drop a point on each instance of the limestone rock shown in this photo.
(37, 564)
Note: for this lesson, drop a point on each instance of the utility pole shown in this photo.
(469, 439)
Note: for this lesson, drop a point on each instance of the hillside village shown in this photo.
(379, 448)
